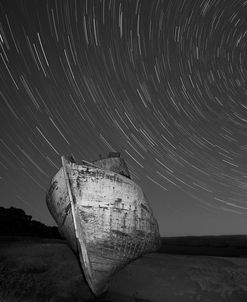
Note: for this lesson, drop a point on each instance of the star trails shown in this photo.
(47, 141)
(155, 182)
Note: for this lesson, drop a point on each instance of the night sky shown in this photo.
(163, 82)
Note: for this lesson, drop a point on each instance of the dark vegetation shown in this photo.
(44, 270)
(222, 246)
(15, 222)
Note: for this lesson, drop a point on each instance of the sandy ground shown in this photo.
(162, 277)
(49, 271)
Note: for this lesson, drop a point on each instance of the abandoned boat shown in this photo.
(104, 216)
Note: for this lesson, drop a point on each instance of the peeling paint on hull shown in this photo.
(114, 221)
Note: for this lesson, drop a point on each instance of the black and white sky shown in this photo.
(163, 82)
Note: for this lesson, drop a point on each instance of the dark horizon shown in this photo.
(51, 222)
(163, 82)
(13, 213)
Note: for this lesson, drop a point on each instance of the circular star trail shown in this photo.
(163, 82)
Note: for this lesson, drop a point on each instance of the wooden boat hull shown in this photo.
(108, 223)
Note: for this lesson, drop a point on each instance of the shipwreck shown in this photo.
(104, 215)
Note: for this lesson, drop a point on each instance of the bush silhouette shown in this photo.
(15, 222)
